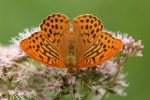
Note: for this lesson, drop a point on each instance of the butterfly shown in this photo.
(60, 44)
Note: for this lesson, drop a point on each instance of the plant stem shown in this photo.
(102, 98)
(119, 66)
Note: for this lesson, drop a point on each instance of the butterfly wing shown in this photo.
(48, 46)
(94, 46)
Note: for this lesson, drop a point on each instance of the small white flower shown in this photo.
(11, 92)
(119, 91)
(122, 83)
(1, 93)
(4, 99)
(109, 68)
(78, 96)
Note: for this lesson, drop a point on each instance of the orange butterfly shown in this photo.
(80, 45)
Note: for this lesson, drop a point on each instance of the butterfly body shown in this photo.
(71, 60)
(83, 45)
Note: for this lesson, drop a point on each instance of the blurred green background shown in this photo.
(127, 16)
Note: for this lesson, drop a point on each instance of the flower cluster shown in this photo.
(23, 78)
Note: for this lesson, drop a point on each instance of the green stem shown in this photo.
(102, 98)
(7, 82)
(119, 66)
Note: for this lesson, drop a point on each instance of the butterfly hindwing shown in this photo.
(49, 45)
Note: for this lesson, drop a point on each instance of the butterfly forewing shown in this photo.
(56, 29)
(86, 29)
(50, 45)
